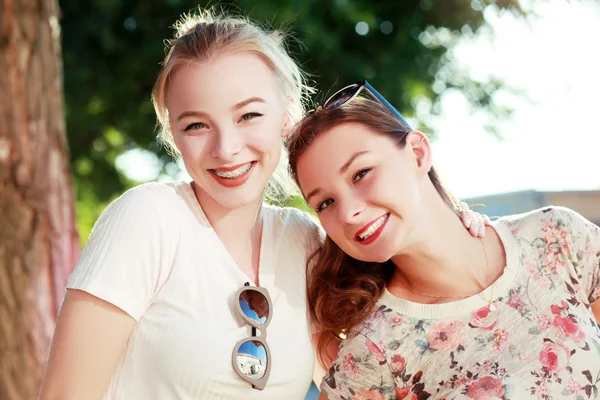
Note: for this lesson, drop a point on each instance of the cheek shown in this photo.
(265, 139)
(333, 229)
(192, 148)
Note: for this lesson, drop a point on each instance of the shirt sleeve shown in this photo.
(359, 372)
(127, 256)
(585, 251)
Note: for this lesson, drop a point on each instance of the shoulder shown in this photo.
(551, 218)
(152, 199)
(142, 209)
(153, 193)
(296, 222)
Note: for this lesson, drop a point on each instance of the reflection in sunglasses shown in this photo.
(252, 359)
(254, 305)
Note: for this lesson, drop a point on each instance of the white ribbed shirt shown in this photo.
(153, 254)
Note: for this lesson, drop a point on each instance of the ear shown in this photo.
(287, 125)
(421, 148)
(287, 122)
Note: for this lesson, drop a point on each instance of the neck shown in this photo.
(238, 228)
(443, 259)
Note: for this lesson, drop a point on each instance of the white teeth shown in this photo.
(235, 173)
(374, 226)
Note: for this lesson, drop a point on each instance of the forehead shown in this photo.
(332, 149)
(227, 78)
(344, 140)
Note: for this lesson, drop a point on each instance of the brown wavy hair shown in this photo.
(342, 290)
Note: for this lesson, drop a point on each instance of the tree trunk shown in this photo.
(38, 238)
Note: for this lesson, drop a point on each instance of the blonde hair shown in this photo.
(204, 35)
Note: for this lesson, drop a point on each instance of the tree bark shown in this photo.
(38, 238)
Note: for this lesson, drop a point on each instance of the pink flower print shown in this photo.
(569, 328)
(553, 259)
(548, 226)
(405, 394)
(368, 395)
(397, 363)
(542, 392)
(573, 387)
(538, 276)
(396, 320)
(543, 322)
(349, 365)
(554, 357)
(445, 336)
(500, 340)
(588, 252)
(516, 301)
(373, 349)
(555, 309)
(484, 318)
(486, 388)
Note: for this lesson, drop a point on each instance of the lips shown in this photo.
(233, 176)
(368, 233)
(234, 171)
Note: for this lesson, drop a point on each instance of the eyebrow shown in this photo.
(191, 114)
(351, 160)
(235, 107)
(342, 171)
(246, 102)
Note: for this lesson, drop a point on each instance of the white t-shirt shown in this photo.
(154, 254)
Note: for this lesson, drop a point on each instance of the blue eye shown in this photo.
(195, 126)
(360, 174)
(324, 204)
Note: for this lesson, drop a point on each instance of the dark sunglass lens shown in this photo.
(251, 359)
(341, 97)
(254, 305)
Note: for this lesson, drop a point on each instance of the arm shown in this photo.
(360, 370)
(88, 341)
(124, 263)
(585, 238)
(330, 354)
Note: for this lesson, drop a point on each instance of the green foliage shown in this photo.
(112, 50)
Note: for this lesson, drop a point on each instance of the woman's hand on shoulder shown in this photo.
(88, 342)
(474, 221)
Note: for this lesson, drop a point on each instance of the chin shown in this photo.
(250, 192)
(238, 197)
(371, 255)
(378, 258)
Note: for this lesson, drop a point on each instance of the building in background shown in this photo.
(586, 203)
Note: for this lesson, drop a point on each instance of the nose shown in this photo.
(227, 144)
(350, 209)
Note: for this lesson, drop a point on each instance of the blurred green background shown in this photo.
(112, 50)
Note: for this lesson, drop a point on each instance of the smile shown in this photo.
(371, 231)
(236, 172)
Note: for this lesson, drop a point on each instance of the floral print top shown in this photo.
(536, 338)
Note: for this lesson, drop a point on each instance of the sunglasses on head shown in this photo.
(350, 92)
(251, 357)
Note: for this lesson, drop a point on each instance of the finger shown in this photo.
(478, 224)
(486, 220)
(482, 224)
(466, 219)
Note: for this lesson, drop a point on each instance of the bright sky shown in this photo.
(552, 141)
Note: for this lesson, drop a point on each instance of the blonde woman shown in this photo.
(197, 290)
